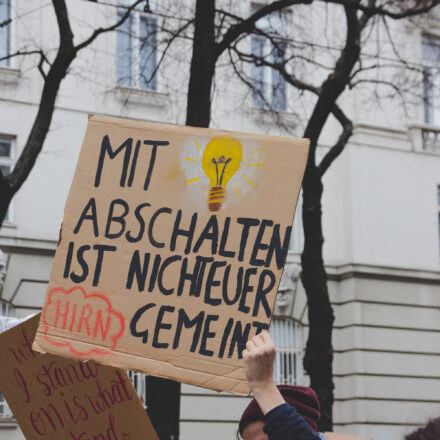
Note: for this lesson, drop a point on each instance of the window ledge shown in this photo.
(8, 423)
(423, 126)
(9, 224)
(9, 75)
(142, 96)
(271, 117)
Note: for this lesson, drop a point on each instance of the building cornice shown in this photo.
(383, 272)
(334, 272)
(353, 270)
(24, 245)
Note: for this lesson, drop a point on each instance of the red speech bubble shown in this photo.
(80, 314)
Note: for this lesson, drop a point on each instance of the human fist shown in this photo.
(258, 360)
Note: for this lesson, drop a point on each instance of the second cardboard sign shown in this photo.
(54, 398)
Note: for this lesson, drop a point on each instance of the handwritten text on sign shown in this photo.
(54, 398)
(172, 245)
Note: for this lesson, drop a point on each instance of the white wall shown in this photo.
(379, 214)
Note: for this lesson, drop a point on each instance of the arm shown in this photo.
(258, 367)
(282, 421)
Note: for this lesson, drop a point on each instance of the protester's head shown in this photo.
(429, 432)
(303, 399)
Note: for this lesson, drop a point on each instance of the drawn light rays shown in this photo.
(257, 151)
(243, 176)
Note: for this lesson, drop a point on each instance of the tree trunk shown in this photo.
(38, 133)
(318, 359)
(6, 194)
(163, 406)
(67, 51)
(198, 111)
(65, 55)
(164, 395)
(319, 351)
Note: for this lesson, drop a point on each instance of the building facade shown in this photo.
(381, 205)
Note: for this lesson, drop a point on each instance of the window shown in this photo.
(137, 51)
(269, 86)
(287, 336)
(5, 311)
(5, 15)
(6, 155)
(431, 79)
(139, 381)
(4, 408)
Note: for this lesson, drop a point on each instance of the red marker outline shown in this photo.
(110, 310)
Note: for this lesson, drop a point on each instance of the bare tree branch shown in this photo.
(371, 10)
(248, 82)
(173, 37)
(100, 31)
(21, 52)
(64, 28)
(393, 45)
(289, 77)
(281, 67)
(247, 25)
(336, 150)
(66, 53)
(56, 73)
(377, 66)
(336, 82)
(276, 41)
(346, 123)
(43, 60)
(5, 22)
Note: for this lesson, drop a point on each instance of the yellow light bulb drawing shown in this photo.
(220, 161)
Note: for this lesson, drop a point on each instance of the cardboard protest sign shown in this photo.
(171, 249)
(54, 398)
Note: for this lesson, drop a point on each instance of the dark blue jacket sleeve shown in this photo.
(285, 423)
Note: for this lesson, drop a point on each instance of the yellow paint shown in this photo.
(256, 151)
(174, 172)
(249, 180)
(220, 148)
(197, 145)
(190, 159)
(238, 192)
(192, 180)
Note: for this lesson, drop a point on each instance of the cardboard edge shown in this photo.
(156, 367)
(303, 143)
(186, 130)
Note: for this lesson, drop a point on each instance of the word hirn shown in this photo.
(74, 311)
